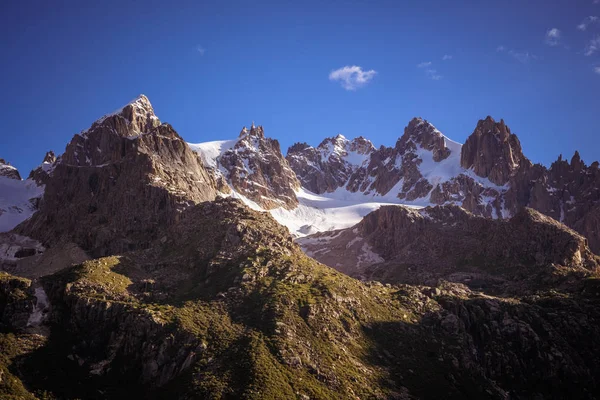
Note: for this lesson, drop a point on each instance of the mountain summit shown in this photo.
(101, 188)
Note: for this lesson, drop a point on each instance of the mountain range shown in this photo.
(140, 265)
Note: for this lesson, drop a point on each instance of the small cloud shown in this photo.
(587, 22)
(430, 72)
(433, 74)
(200, 50)
(553, 37)
(522, 56)
(593, 46)
(447, 57)
(596, 2)
(597, 70)
(352, 77)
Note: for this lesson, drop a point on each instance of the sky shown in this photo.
(305, 70)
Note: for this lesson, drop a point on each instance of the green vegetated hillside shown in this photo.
(225, 306)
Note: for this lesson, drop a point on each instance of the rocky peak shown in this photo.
(361, 145)
(132, 119)
(493, 152)
(299, 147)
(101, 143)
(49, 158)
(124, 179)
(257, 170)
(331, 164)
(576, 163)
(43, 171)
(256, 131)
(420, 132)
(8, 170)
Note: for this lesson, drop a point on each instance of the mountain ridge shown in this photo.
(488, 176)
(158, 269)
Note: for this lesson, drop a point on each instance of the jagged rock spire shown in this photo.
(492, 151)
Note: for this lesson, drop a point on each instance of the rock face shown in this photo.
(330, 165)
(252, 166)
(119, 182)
(422, 168)
(493, 152)
(41, 174)
(8, 170)
(524, 253)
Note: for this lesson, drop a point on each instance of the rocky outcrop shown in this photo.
(119, 183)
(358, 167)
(16, 302)
(330, 165)
(493, 152)
(8, 170)
(41, 174)
(254, 167)
(419, 134)
(524, 253)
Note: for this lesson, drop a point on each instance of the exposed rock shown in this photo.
(119, 183)
(16, 302)
(493, 152)
(421, 134)
(41, 174)
(257, 170)
(419, 247)
(328, 166)
(8, 170)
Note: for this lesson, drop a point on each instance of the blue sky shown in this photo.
(211, 67)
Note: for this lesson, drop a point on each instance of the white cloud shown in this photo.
(433, 74)
(522, 56)
(597, 70)
(586, 22)
(447, 57)
(596, 1)
(553, 37)
(593, 46)
(352, 77)
(200, 50)
(430, 72)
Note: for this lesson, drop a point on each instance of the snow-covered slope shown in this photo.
(17, 201)
(319, 213)
(312, 212)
